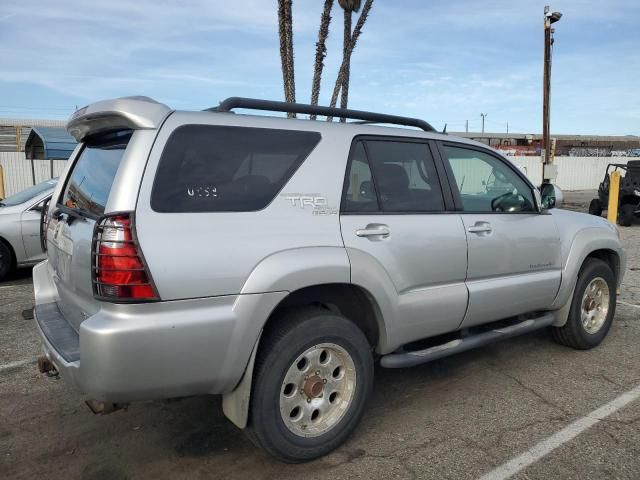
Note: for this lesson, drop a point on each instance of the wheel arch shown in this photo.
(347, 299)
(608, 255)
(14, 258)
(352, 301)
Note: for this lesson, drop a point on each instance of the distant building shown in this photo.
(15, 131)
(520, 144)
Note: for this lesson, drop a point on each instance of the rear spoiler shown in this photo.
(119, 113)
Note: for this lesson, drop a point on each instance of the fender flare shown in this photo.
(584, 243)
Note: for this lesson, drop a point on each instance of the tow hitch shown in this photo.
(47, 367)
(104, 408)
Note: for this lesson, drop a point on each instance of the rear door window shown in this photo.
(404, 178)
(206, 168)
(88, 187)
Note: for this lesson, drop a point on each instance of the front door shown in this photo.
(403, 243)
(30, 227)
(514, 249)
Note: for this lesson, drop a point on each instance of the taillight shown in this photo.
(120, 272)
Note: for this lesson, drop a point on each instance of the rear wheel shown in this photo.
(313, 375)
(627, 211)
(595, 207)
(6, 260)
(592, 307)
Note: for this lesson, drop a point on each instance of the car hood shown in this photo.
(583, 220)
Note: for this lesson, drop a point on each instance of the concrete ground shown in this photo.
(456, 418)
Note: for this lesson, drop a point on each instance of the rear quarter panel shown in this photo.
(206, 254)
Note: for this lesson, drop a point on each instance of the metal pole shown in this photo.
(483, 115)
(614, 190)
(466, 126)
(1, 183)
(507, 128)
(546, 83)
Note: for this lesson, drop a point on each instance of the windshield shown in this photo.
(28, 194)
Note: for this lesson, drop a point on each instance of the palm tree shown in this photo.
(350, 40)
(321, 52)
(349, 6)
(285, 29)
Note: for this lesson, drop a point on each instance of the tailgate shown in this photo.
(71, 228)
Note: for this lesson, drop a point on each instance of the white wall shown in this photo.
(17, 171)
(574, 173)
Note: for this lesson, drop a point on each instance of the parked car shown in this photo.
(20, 227)
(628, 193)
(274, 260)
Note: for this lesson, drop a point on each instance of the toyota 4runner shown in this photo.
(273, 260)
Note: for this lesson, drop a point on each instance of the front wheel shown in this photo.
(314, 373)
(592, 307)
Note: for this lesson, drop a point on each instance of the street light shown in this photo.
(549, 19)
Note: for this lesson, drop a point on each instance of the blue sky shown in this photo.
(442, 61)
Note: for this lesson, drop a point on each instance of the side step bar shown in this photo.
(418, 357)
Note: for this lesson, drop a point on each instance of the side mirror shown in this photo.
(552, 196)
(40, 206)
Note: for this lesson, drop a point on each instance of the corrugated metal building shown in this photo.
(15, 131)
(566, 145)
(19, 173)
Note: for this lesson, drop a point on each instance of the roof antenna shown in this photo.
(444, 130)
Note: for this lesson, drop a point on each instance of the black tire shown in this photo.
(627, 211)
(292, 334)
(595, 207)
(573, 333)
(7, 262)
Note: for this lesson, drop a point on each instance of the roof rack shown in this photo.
(286, 107)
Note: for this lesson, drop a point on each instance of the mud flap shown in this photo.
(562, 314)
(235, 404)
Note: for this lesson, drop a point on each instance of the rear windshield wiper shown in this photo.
(77, 212)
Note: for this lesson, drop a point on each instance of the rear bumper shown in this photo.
(125, 353)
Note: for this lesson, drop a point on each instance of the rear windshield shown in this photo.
(89, 184)
(207, 168)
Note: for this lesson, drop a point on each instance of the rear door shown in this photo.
(514, 259)
(70, 230)
(401, 233)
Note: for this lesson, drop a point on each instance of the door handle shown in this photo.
(374, 231)
(480, 227)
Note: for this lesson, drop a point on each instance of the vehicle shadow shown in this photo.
(19, 276)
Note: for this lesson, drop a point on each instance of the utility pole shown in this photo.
(548, 172)
(483, 115)
(507, 128)
(466, 126)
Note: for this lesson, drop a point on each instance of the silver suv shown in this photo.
(274, 260)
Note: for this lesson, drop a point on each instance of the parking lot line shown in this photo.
(12, 365)
(628, 304)
(561, 437)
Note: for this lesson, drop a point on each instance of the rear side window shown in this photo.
(206, 168)
(392, 176)
(89, 184)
